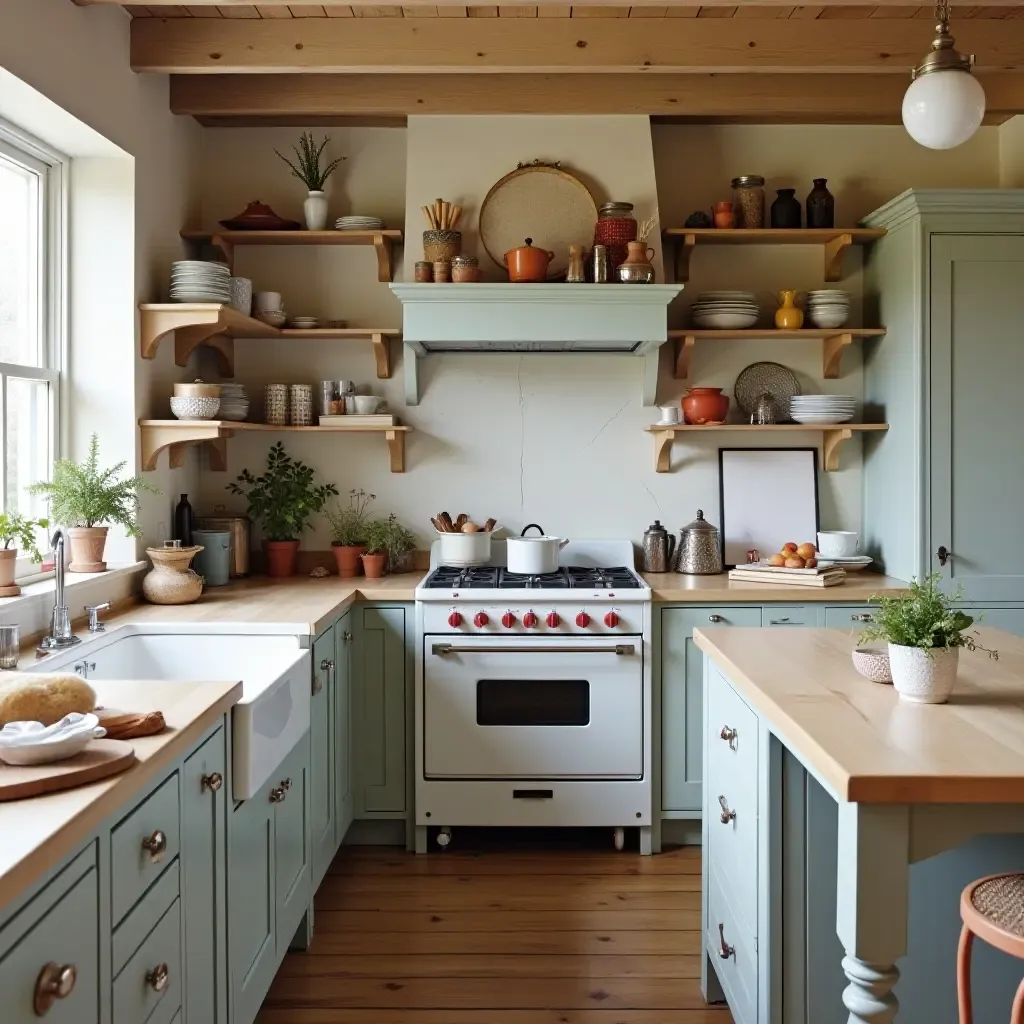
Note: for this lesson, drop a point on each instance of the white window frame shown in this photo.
(21, 147)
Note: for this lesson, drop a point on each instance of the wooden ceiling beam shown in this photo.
(317, 99)
(868, 4)
(566, 45)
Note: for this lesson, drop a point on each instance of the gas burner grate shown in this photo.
(453, 577)
(450, 577)
(618, 577)
(521, 581)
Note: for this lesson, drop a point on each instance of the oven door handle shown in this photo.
(444, 649)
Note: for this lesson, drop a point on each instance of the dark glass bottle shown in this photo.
(821, 207)
(786, 210)
(183, 522)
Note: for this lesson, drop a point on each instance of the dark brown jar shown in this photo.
(821, 206)
(786, 210)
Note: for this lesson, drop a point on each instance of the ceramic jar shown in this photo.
(789, 316)
(171, 581)
(724, 214)
(821, 206)
(441, 246)
(748, 201)
(615, 228)
(636, 268)
(704, 406)
(424, 271)
(301, 405)
(276, 402)
(314, 209)
(465, 270)
(786, 211)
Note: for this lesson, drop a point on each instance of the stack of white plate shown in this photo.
(828, 307)
(356, 223)
(303, 323)
(200, 281)
(730, 311)
(234, 402)
(822, 408)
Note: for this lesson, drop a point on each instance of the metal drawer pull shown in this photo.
(862, 617)
(783, 622)
(716, 618)
(444, 649)
(286, 784)
(327, 665)
(726, 816)
(277, 795)
(213, 781)
(55, 981)
(156, 845)
(943, 554)
(724, 949)
(158, 978)
(728, 734)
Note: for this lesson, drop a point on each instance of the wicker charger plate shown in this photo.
(766, 378)
(542, 202)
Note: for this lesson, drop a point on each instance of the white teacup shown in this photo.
(669, 414)
(366, 405)
(838, 543)
(267, 301)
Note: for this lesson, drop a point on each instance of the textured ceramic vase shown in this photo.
(923, 677)
(704, 406)
(348, 558)
(788, 317)
(87, 544)
(171, 581)
(281, 555)
(314, 209)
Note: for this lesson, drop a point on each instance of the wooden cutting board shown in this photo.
(99, 760)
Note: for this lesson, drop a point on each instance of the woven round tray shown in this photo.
(542, 202)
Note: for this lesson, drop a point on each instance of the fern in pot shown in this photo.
(15, 527)
(924, 632)
(313, 176)
(349, 524)
(85, 499)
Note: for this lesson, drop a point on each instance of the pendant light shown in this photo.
(944, 103)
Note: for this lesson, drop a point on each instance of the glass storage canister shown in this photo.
(748, 200)
(615, 228)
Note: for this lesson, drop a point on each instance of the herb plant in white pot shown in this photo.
(924, 632)
(313, 176)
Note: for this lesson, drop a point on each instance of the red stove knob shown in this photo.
(529, 620)
(553, 620)
(583, 620)
(455, 620)
(508, 620)
(611, 620)
(480, 619)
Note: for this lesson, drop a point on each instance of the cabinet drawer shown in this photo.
(783, 615)
(149, 985)
(64, 939)
(733, 951)
(850, 617)
(142, 846)
(134, 929)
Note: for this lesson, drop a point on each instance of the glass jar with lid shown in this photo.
(616, 227)
(748, 200)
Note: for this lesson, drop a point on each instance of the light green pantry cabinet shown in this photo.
(323, 744)
(344, 791)
(292, 867)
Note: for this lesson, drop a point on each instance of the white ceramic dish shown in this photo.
(24, 743)
(827, 320)
(366, 405)
(195, 408)
(872, 663)
(726, 321)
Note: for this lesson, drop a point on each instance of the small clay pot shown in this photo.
(374, 565)
(87, 544)
(424, 271)
(347, 557)
(465, 275)
(442, 272)
(281, 555)
(704, 406)
(8, 558)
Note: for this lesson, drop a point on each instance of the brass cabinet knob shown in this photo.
(277, 795)
(213, 781)
(726, 816)
(728, 734)
(155, 845)
(724, 949)
(158, 978)
(346, 637)
(327, 665)
(55, 981)
(286, 784)
(716, 618)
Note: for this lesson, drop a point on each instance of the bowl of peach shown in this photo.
(794, 556)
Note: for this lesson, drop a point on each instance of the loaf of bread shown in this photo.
(43, 697)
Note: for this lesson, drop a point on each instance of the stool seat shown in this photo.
(1000, 900)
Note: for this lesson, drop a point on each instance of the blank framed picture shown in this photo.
(768, 496)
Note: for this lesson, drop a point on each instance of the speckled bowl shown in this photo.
(872, 663)
(194, 408)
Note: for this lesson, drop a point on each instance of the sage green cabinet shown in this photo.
(323, 743)
(999, 617)
(851, 616)
(292, 867)
(784, 615)
(344, 791)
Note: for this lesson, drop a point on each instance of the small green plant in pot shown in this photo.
(20, 529)
(348, 531)
(924, 632)
(313, 176)
(283, 500)
(387, 541)
(82, 497)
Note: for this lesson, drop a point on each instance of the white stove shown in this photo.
(533, 694)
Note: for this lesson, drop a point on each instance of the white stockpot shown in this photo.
(465, 549)
(533, 556)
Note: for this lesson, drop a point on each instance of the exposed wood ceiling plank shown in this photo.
(683, 12)
(274, 11)
(139, 11)
(451, 12)
(338, 11)
(560, 11)
(806, 13)
(515, 11)
(644, 12)
(238, 11)
(419, 12)
(202, 12)
(580, 11)
(482, 12)
(308, 11)
(845, 13)
(377, 11)
(715, 12)
(867, 5)
(763, 12)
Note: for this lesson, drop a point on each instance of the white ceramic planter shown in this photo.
(923, 677)
(315, 209)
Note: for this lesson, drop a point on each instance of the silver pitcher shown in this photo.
(658, 548)
(699, 551)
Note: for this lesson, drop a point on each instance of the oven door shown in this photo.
(524, 708)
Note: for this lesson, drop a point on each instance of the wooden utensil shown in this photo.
(446, 215)
(461, 521)
(99, 760)
(437, 212)
(429, 216)
(456, 216)
(447, 520)
(489, 525)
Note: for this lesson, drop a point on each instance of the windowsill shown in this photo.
(72, 581)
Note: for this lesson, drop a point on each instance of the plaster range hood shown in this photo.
(535, 318)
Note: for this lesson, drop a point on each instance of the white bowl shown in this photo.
(366, 405)
(195, 408)
(273, 317)
(821, 318)
(25, 743)
(725, 321)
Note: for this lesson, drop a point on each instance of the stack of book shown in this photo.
(831, 576)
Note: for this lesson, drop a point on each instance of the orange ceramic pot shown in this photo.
(723, 214)
(87, 543)
(374, 565)
(281, 556)
(347, 557)
(528, 263)
(705, 406)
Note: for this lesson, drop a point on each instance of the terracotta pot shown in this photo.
(374, 565)
(8, 588)
(87, 544)
(527, 263)
(281, 555)
(705, 406)
(347, 557)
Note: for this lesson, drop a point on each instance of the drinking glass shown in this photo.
(9, 645)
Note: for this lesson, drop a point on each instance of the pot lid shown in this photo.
(700, 524)
(748, 181)
(615, 207)
(656, 527)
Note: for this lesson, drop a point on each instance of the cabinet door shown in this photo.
(783, 615)
(204, 879)
(977, 417)
(851, 616)
(322, 751)
(379, 679)
(291, 844)
(343, 790)
(1010, 619)
(682, 681)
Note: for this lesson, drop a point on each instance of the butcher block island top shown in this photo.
(858, 588)
(860, 740)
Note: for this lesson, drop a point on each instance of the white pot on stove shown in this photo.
(465, 549)
(533, 556)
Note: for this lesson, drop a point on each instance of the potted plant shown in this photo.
(399, 542)
(283, 499)
(348, 531)
(14, 527)
(82, 496)
(924, 633)
(375, 557)
(313, 176)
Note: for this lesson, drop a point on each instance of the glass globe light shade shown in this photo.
(943, 109)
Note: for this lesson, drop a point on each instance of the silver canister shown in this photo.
(699, 551)
(658, 547)
(599, 264)
(328, 394)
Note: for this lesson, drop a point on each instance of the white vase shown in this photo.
(923, 677)
(315, 209)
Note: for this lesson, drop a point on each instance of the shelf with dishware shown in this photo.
(833, 342)
(383, 241)
(179, 435)
(834, 241)
(216, 326)
(832, 437)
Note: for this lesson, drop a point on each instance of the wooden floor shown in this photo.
(499, 936)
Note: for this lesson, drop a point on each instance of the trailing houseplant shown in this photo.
(924, 631)
(313, 176)
(283, 499)
(15, 527)
(86, 499)
(348, 531)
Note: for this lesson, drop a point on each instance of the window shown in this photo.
(31, 321)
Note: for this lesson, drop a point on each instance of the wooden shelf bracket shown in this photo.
(831, 441)
(684, 250)
(832, 354)
(396, 449)
(382, 355)
(382, 247)
(156, 438)
(188, 339)
(684, 353)
(835, 252)
(663, 450)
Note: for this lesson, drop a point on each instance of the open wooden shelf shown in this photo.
(382, 241)
(217, 326)
(833, 340)
(178, 435)
(832, 436)
(835, 242)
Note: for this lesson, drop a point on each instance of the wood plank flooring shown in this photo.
(500, 936)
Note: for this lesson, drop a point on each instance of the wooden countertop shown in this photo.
(865, 744)
(859, 586)
(37, 834)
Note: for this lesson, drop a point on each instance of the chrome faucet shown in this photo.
(60, 635)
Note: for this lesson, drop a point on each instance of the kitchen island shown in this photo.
(817, 777)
